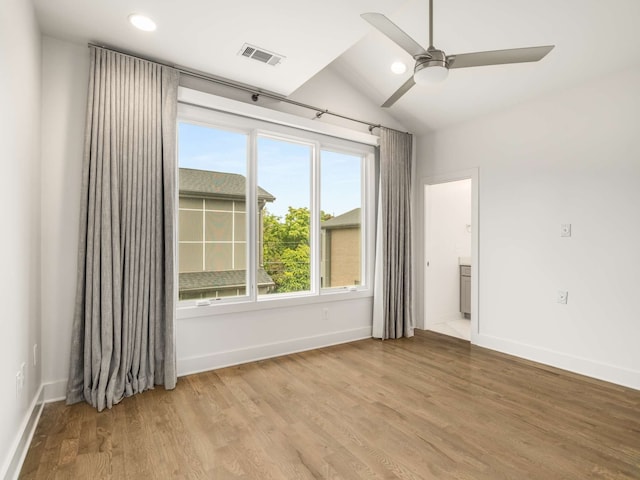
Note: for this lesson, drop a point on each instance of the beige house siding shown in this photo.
(344, 257)
(341, 255)
(212, 239)
(212, 235)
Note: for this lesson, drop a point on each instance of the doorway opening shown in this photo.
(450, 246)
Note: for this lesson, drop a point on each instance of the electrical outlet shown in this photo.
(565, 230)
(325, 314)
(19, 383)
(562, 297)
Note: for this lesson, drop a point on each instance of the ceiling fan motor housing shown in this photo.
(436, 58)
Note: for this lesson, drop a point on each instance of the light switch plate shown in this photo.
(565, 230)
(562, 297)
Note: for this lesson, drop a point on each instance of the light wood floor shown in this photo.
(430, 407)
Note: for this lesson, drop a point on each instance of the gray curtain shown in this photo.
(392, 311)
(123, 328)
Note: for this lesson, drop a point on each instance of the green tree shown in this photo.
(295, 274)
(287, 254)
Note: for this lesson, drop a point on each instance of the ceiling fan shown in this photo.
(432, 65)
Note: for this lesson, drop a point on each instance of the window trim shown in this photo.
(250, 205)
(208, 110)
(367, 196)
(314, 149)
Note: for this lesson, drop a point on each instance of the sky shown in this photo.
(284, 168)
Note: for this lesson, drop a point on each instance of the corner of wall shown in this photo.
(582, 366)
(18, 450)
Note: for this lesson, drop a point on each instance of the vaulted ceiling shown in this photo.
(592, 38)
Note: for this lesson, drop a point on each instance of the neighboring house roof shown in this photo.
(216, 184)
(349, 219)
(190, 281)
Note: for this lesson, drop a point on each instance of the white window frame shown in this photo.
(313, 207)
(217, 112)
(367, 221)
(250, 201)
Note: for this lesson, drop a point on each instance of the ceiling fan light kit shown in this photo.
(431, 70)
(432, 65)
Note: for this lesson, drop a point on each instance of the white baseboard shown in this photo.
(55, 391)
(187, 366)
(20, 446)
(583, 366)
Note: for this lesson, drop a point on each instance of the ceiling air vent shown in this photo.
(260, 54)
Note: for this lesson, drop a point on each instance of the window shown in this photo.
(284, 169)
(340, 219)
(268, 211)
(212, 223)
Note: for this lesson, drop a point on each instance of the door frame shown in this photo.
(473, 175)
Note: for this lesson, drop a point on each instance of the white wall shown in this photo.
(326, 90)
(330, 91)
(208, 342)
(20, 58)
(573, 157)
(203, 342)
(65, 71)
(448, 212)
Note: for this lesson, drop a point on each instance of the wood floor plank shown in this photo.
(428, 407)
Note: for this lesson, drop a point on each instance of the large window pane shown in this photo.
(340, 219)
(284, 193)
(267, 212)
(212, 253)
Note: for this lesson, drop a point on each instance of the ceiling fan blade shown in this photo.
(406, 86)
(395, 33)
(498, 57)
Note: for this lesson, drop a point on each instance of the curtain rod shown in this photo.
(254, 91)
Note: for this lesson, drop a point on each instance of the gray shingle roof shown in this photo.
(346, 220)
(216, 184)
(221, 279)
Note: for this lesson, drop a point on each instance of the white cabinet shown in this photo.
(465, 290)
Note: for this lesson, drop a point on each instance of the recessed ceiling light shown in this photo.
(142, 22)
(398, 68)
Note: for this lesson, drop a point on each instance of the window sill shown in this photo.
(192, 311)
